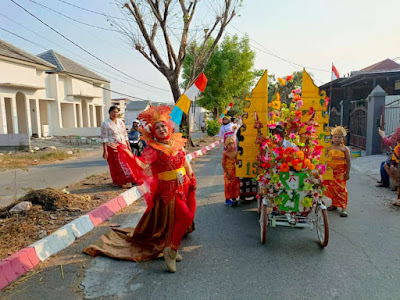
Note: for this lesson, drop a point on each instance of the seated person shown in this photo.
(282, 142)
(135, 133)
(384, 182)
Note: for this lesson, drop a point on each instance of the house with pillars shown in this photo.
(49, 95)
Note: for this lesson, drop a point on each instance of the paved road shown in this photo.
(14, 184)
(224, 260)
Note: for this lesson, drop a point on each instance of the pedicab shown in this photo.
(290, 175)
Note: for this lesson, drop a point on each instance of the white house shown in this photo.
(49, 94)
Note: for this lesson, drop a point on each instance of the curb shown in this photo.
(12, 267)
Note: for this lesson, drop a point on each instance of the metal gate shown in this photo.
(391, 117)
(358, 124)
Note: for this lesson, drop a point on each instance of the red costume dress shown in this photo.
(120, 171)
(232, 186)
(170, 198)
(336, 188)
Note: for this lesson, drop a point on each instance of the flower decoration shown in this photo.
(304, 159)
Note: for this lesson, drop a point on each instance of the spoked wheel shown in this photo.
(259, 204)
(263, 223)
(322, 226)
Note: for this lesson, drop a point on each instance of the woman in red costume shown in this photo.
(170, 185)
(113, 131)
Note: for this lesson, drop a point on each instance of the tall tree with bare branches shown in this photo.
(162, 31)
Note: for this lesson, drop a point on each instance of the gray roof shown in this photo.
(11, 51)
(137, 105)
(65, 64)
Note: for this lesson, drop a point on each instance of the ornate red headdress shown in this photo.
(154, 115)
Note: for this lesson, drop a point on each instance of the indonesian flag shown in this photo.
(335, 73)
(183, 104)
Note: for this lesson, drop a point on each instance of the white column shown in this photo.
(50, 105)
(75, 119)
(80, 115)
(28, 115)
(14, 114)
(37, 112)
(3, 117)
(94, 116)
(88, 114)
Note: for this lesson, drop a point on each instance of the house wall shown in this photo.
(15, 72)
(28, 109)
(94, 131)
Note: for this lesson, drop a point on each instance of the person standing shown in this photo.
(229, 161)
(170, 196)
(226, 127)
(113, 131)
(341, 164)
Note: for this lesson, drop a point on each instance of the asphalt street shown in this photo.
(15, 183)
(223, 258)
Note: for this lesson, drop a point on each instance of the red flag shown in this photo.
(335, 73)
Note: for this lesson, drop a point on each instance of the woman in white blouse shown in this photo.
(113, 132)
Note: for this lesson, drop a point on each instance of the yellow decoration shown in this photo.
(248, 150)
(312, 97)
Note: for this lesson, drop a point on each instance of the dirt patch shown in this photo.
(201, 142)
(51, 210)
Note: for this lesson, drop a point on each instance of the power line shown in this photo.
(71, 74)
(94, 70)
(1, 28)
(279, 57)
(86, 51)
(114, 17)
(80, 59)
(75, 20)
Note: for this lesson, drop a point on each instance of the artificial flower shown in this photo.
(284, 167)
(311, 167)
(281, 81)
(289, 78)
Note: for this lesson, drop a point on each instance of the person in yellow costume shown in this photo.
(336, 188)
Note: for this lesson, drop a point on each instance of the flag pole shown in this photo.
(330, 97)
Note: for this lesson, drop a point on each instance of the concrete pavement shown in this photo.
(223, 258)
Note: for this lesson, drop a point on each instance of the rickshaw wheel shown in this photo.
(322, 226)
(263, 223)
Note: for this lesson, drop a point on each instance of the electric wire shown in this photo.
(83, 49)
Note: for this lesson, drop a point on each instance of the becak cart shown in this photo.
(291, 169)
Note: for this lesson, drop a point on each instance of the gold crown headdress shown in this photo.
(339, 130)
(156, 114)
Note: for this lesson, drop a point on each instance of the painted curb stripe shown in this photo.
(12, 267)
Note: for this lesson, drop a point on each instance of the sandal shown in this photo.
(397, 203)
(331, 208)
(381, 185)
(343, 214)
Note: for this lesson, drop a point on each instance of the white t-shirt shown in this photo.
(225, 128)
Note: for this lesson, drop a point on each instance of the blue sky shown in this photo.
(313, 33)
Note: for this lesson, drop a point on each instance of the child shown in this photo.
(232, 183)
(340, 164)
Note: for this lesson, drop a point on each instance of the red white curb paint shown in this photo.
(12, 267)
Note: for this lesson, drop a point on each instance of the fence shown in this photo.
(391, 117)
(358, 124)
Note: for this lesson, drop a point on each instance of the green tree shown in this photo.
(230, 74)
(286, 90)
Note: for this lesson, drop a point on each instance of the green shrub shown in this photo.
(212, 127)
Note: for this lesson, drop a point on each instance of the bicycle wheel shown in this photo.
(322, 226)
(263, 223)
